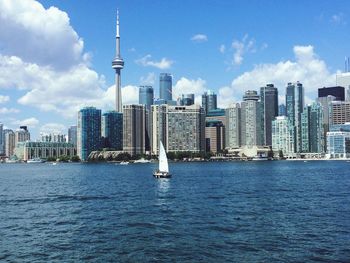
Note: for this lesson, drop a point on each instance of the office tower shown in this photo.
(295, 105)
(339, 112)
(338, 141)
(186, 99)
(72, 135)
(214, 136)
(89, 132)
(312, 129)
(186, 129)
(158, 121)
(252, 134)
(10, 142)
(282, 111)
(233, 126)
(112, 130)
(282, 137)
(209, 101)
(2, 151)
(338, 92)
(325, 104)
(269, 110)
(146, 98)
(343, 80)
(134, 121)
(118, 65)
(165, 87)
(22, 135)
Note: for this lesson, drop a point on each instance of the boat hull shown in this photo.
(161, 175)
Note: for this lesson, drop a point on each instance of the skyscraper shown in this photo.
(233, 126)
(1, 139)
(252, 134)
(209, 101)
(146, 96)
(339, 112)
(165, 87)
(134, 118)
(338, 92)
(158, 121)
(214, 136)
(186, 99)
(89, 132)
(118, 65)
(269, 110)
(72, 135)
(343, 79)
(282, 111)
(325, 104)
(282, 137)
(112, 130)
(22, 135)
(295, 105)
(9, 142)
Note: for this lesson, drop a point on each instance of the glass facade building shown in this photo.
(165, 87)
(89, 132)
(338, 92)
(72, 135)
(269, 110)
(112, 130)
(146, 96)
(209, 101)
(338, 141)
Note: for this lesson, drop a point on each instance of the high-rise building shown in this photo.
(22, 135)
(209, 101)
(186, 100)
(165, 87)
(343, 80)
(134, 121)
(269, 110)
(89, 132)
(159, 127)
(325, 104)
(146, 96)
(233, 126)
(282, 111)
(338, 92)
(338, 141)
(186, 129)
(251, 131)
(282, 137)
(118, 65)
(214, 136)
(53, 137)
(312, 140)
(295, 105)
(2, 151)
(339, 112)
(72, 135)
(9, 142)
(112, 130)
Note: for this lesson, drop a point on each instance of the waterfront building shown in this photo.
(282, 137)
(282, 110)
(339, 112)
(312, 129)
(165, 87)
(89, 132)
(2, 150)
(43, 150)
(343, 80)
(72, 135)
(159, 127)
(186, 100)
(213, 117)
(134, 121)
(22, 134)
(209, 101)
(269, 110)
(112, 130)
(214, 136)
(118, 65)
(338, 141)
(186, 129)
(338, 92)
(295, 105)
(325, 103)
(10, 142)
(233, 126)
(251, 132)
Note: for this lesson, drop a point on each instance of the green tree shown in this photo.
(75, 159)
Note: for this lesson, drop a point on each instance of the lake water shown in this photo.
(278, 211)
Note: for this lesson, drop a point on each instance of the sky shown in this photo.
(55, 55)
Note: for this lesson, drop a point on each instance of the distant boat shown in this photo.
(54, 163)
(35, 160)
(142, 160)
(124, 163)
(163, 171)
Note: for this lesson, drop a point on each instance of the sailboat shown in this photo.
(163, 171)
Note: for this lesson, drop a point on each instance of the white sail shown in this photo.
(163, 161)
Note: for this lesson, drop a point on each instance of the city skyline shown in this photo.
(70, 67)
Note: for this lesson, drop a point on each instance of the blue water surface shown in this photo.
(277, 211)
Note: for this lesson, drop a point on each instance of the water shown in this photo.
(284, 211)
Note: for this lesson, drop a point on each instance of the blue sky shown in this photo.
(55, 56)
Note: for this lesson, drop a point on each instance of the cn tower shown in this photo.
(118, 65)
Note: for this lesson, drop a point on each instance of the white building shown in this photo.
(282, 137)
(233, 126)
(338, 142)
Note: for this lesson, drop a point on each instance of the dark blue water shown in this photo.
(283, 211)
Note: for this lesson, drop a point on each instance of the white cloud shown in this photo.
(56, 128)
(8, 110)
(226, 96)
(199, 38)
(241, 47)
(38, 35)
(146, 61)
(222, 49)
(4, 99)
(307, 68)
(338, 19)
(30, 122)
(185, 86)
(150, 79)
(130, 94)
